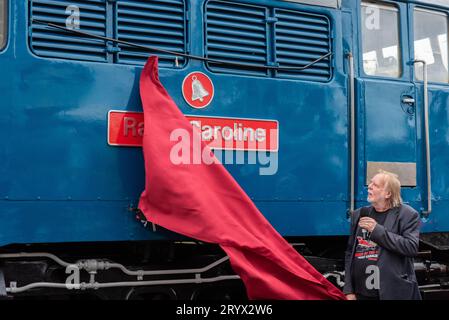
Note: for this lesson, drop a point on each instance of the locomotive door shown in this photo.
(428, 36)
(386, 97)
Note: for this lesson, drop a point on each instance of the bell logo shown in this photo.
(198, 90)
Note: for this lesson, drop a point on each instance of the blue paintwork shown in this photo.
(60, 181)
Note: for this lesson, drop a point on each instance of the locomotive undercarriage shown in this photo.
(432, 266)
(123, 271)
(177, 270)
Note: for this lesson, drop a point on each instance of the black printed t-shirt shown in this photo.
(366, 254)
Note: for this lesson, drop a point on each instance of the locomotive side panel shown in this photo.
(57, 159)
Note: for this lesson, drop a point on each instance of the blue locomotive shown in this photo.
(353, 86)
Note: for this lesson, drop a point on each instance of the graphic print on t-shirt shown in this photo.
(366, 257)
(366, 249)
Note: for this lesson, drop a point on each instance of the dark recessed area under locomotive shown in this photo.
(324, 253)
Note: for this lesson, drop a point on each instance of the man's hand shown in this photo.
(367, 223)
(351, 296)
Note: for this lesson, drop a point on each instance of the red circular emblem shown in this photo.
(198, 90)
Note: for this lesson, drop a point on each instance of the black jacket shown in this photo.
(398, 240)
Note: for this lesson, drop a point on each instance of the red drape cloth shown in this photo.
(205, 202)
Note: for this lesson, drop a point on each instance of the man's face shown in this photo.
(376, 191)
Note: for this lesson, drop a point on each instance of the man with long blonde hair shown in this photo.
(383, 241)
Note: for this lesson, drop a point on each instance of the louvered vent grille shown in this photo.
(301, 38)
(261, 35)
(236, 33)
(156, 23)
(49, 42)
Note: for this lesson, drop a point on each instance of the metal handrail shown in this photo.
(426, 213)
(352, 133)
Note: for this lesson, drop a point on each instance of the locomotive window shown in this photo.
(3, 21)
(430, 43)
(380, 40)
